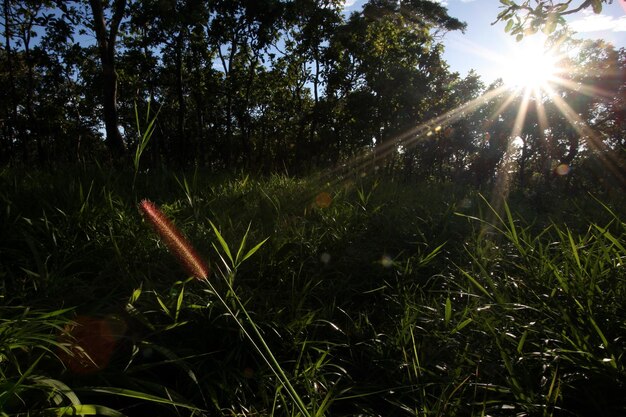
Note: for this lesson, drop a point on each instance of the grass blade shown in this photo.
(223, 243)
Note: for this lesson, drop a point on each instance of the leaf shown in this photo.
(574, 248)
(145, 135)
(561, 8)
(139, 395)
(612, 238)
(179, 302)
(55, 313)
(242, 244)
(222, 243)
(175, 359)
(549, 27)
(426, 259)
(6, 395)
(508, 26)
(512, 235)
(605, 342)
(462, 324)
(136, 295)
(597, 6)
(58, 386)
(85, 410)
(531, 30)
(476, 284)
(163, 306)
(522, 340)
(448, 310)
(254, 249)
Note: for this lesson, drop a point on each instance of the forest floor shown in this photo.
(336, 296)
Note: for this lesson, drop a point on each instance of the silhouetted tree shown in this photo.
(106, 39)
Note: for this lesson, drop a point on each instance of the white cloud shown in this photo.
(447, 3)
(599, 22)
(349, 3)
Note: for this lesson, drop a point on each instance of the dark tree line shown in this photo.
(273, 84)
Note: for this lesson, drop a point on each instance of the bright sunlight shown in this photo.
(530, 66)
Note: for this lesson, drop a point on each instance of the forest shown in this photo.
(278, 208)
(286, 85)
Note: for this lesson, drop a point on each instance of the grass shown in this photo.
(371, 296)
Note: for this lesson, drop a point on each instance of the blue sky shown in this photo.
(483, 44)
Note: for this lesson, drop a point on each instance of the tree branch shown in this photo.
(118, 15)
(584, 5)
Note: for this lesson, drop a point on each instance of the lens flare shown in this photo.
(325, 258)
(323, 200)
(92, 342)
(386, 261)
(562, 169)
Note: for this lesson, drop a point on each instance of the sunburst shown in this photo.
(531, 66)
(533, 73)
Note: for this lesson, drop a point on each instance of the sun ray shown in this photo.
(537, 90)
(544, 124)
(588, 90)
(521, 115)
(502, 184)
(585, 131)
(572, 117)
(505, 105)
(542, 116)
(369, 157)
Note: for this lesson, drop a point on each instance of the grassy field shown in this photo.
(371, 296)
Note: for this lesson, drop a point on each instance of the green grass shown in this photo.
(371, 296)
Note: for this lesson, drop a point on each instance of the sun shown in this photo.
(530, 65)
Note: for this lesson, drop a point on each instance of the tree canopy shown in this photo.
(297, 85)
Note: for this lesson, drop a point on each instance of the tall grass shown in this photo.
(371, 296)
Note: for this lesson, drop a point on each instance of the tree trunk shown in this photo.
(522, 164)
(181, 142)
(106, 48)
(30, 90)
(11, 119)
(227, 149)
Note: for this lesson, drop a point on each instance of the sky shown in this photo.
(484, 46)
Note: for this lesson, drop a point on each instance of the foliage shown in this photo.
(370, 90)
(372, 295)
(144, 137)
(440, 251)
(527, 18)
(234, 95)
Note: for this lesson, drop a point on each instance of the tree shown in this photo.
(106, 40)
(26, 62)
(11, 112)
(310, 25)
(597, 102)
(20, 20)
(242, 32)
(455, 137)
(385, 73)
(527, 18)
(174, 32)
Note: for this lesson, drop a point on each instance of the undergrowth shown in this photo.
(373, 296)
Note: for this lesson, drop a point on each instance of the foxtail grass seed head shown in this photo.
(175, 241)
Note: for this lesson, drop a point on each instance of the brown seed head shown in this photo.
(175, 241)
